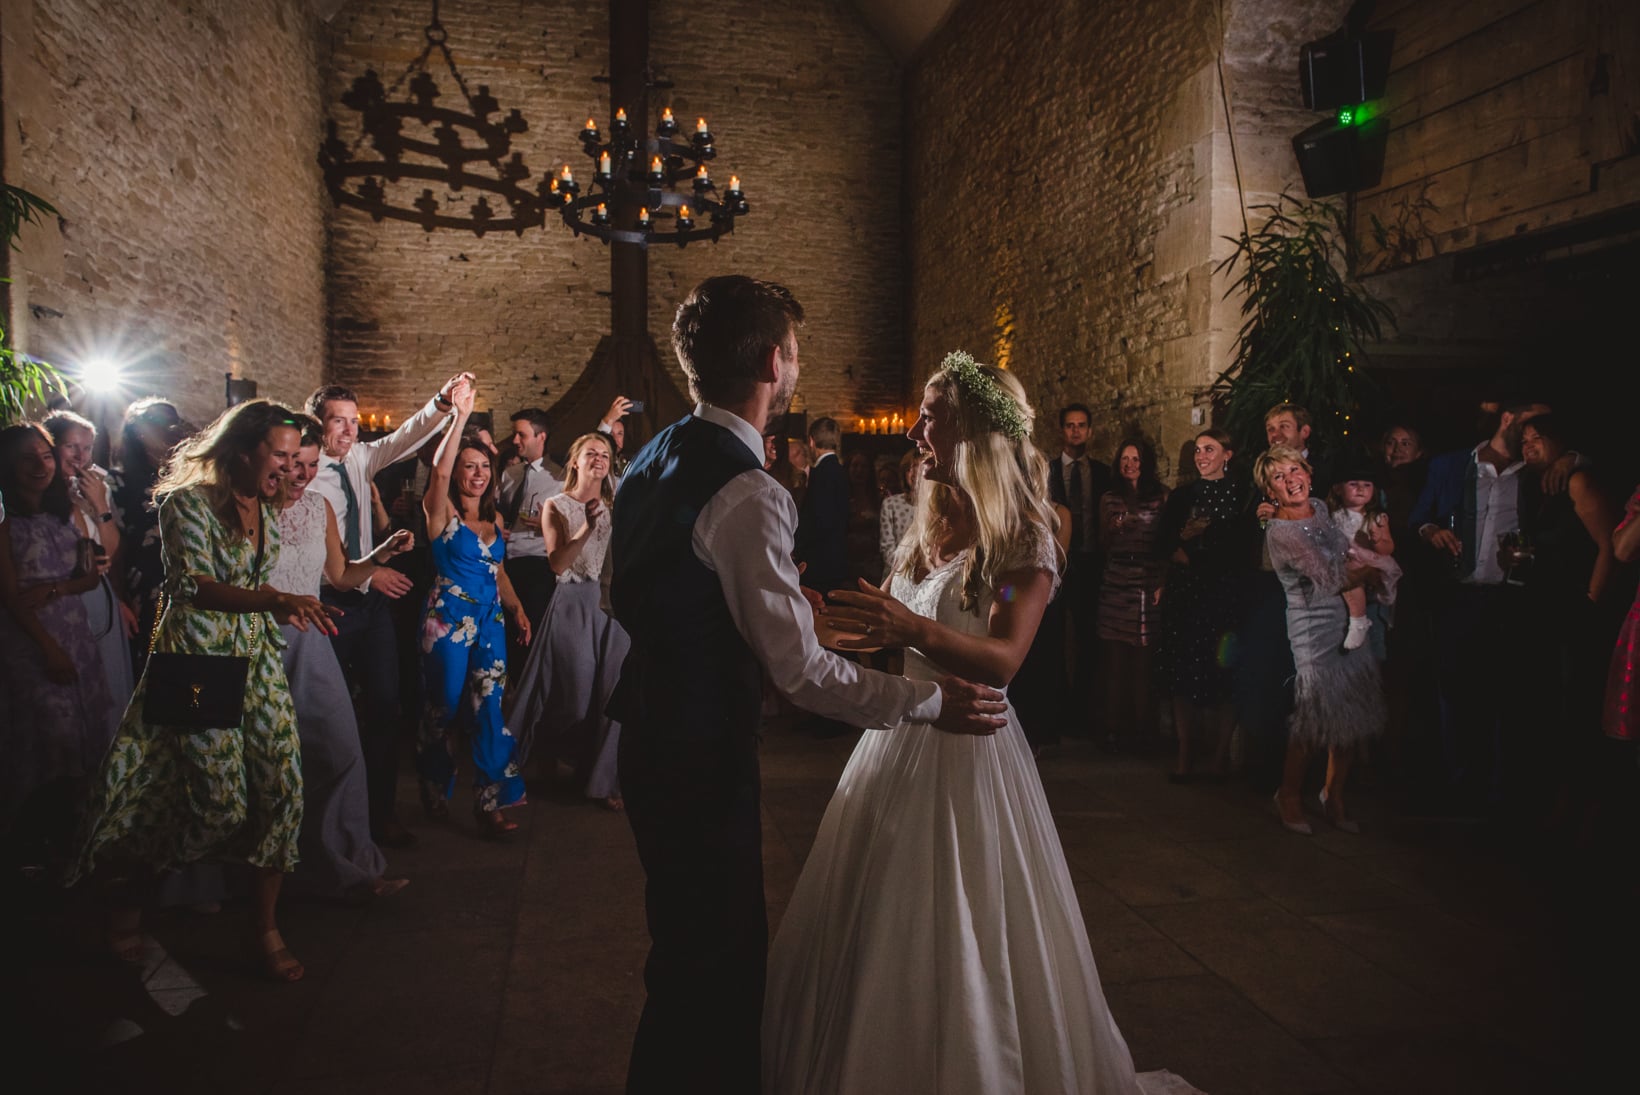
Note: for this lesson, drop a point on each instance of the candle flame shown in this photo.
(683, 214)
(655, 165)
(643, 216)
(565, 173)
(700, 125)
(387, 421)
(620, 114)
(592, 123)
(666, 114)
(700, 173)
(734, 182)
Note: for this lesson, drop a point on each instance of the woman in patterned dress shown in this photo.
(577, 655)
(1128, 591)
(1208, 536)
(167, 796)
(463, 636)
(53, 696)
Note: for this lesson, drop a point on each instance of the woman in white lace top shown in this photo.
(579, 647)
(338, 856)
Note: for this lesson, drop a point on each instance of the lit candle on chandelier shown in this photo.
(600, 215)
(590, 133)
(859, 425)
(603, 165)
(643, 217)
(565, 177)
(387, 421)
(700, 127)
(685, 221)
(656, 174)
(620, 116)
(734, 185)
(703, 178)
(372, 421)
(666, 116)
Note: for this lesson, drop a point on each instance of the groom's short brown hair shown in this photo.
(725, 329)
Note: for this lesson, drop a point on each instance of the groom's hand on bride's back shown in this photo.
(968, 708)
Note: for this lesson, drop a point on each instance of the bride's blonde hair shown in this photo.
(1001, 474)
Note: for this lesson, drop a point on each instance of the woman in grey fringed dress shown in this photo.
(1338, 695)
(579, 648)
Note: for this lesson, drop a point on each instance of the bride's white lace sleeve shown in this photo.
(1035, 550)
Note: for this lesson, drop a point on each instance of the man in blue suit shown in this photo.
(1470, 499)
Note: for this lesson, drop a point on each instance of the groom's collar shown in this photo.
(735, 424)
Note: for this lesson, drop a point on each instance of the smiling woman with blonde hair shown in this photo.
(1338, 700)
(935, 930)
(579, 647)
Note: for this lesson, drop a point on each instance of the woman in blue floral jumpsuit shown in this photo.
(464, 634)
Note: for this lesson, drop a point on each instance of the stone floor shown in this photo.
(1420, 957)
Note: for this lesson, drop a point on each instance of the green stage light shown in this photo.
(1346, 115)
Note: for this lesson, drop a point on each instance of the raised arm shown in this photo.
(435, 504)
(414, 431)
(563, 546)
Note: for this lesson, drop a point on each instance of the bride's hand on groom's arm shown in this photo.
(878, 619)
(968, 708)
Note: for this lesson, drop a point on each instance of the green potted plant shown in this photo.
(25, 383)
(1305, 325)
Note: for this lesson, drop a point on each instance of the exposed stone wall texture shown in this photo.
(177, 141)
(1073, 178)
(804, 103)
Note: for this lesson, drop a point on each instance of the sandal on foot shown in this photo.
(277, 961)
(434, 802)
(493, 824)
(387, 887)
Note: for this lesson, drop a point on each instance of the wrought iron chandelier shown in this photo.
(444, 159)
(635, 172)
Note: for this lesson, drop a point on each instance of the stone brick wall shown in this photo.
(1072, 179)
(805, 105)
(177, 141)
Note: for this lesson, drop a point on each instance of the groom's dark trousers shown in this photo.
(689, 702)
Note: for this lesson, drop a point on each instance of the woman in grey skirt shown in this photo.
(1338, 701)
(339, 858)
(579, 648)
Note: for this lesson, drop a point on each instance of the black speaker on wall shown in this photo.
(1335, 158)
(1344, 68)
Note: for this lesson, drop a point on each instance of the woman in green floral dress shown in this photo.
(167, 796)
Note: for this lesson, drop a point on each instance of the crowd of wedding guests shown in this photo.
(1463, 623)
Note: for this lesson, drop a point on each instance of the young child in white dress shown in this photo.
(1356, 512)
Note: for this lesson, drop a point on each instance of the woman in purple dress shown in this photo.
(53, 695)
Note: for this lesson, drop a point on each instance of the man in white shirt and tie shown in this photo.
(525, 488)
(365, 643)
(1075, 481)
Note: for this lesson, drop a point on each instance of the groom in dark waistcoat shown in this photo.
(705, 586)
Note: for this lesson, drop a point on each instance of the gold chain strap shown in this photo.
(164, 602)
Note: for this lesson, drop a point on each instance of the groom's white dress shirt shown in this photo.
(744, 535)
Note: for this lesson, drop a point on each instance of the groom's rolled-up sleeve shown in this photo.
(744, 535)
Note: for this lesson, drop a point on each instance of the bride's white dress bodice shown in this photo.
(938, 597)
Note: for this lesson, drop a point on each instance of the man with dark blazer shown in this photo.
(705, 586)
(1075, 481)
(822, 521)
(1469, 499)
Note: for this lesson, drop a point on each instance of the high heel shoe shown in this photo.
(1300, 827)
(1339, 822)
(493, 824)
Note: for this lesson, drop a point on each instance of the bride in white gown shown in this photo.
(934, 942)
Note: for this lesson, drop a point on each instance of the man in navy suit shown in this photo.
(1472, 497)
(822, 521)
